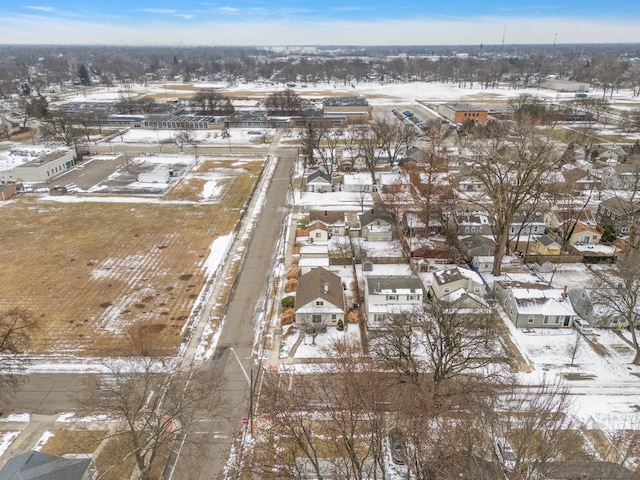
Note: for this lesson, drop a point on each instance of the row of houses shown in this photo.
(526, 300)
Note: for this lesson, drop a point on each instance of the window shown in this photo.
(530, 320)
(318, 234)
(557, 320)
(411, 297)
(392, 297)
(319, 303)
(446, 290)
(333, 316)
(476, 290)
(546, 319)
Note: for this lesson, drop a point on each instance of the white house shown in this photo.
(388, 296)
(450, 280)
(46, 167)
(319, 299)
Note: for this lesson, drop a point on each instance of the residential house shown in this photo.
(547, 246)
(334, 220)
(469, 223)
(318, 181)
(468, 183)
(413, 225)
(477, 245)
(527, 223)
(618, 213)
(376, 225)
(450, 280)
(319, 299)
(615, 152)
(596, 313)
(386, 297)
(36, 465)
(579, 180)
(531, 303)
(318, 232)
(464, 302)
(579, 233)
(358, 183)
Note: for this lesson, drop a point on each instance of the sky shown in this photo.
(318, 22)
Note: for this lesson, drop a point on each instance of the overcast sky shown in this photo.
(318, 22)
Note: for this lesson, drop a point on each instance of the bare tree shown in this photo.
(342, 438)
(536, 425)
(617, 291)
(62, 127)
(574, 347)
(515, 167)
(286, 102)
(212, 102)
(443, 342)
(16, 329)
(154, 405)
(184, 137)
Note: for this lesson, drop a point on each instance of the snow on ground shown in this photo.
(16, 417)
(329, 200)
(6, 439)
(70, 417)
(219, 249)
(238, 136)
(42, 441)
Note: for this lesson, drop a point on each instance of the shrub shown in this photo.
(340, 325)
(294, 272)
(288, 301)
(291, 285)
(288, 317)
(352, 316)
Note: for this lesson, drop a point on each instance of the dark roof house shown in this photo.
(41, 466)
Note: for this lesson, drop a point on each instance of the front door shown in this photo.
(567, 320)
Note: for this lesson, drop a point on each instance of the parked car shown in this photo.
(505, 453)
(398, 446)
(582, 326)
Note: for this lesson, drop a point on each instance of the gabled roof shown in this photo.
(619, 205)
(318, 175)
(443, 277)
(386, 284)
(328, 217)
(547, 241)
(475, 241)
(318, 226)
(319, 283)
(41, 466)
(372, 215)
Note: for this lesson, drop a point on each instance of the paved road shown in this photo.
(47, 394)
(238, 330)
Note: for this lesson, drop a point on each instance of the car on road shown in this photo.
(398, 446)
(505, 453)
(582, 326)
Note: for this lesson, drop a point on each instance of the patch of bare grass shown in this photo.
(84, 269)
(74, 441)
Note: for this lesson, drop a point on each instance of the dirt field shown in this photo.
(91, 273)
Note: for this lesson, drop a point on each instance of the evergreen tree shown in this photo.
(83, 73)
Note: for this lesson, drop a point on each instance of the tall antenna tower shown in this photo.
(504, 34)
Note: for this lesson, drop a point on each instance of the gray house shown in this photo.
(41, 466)
(534, 304)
